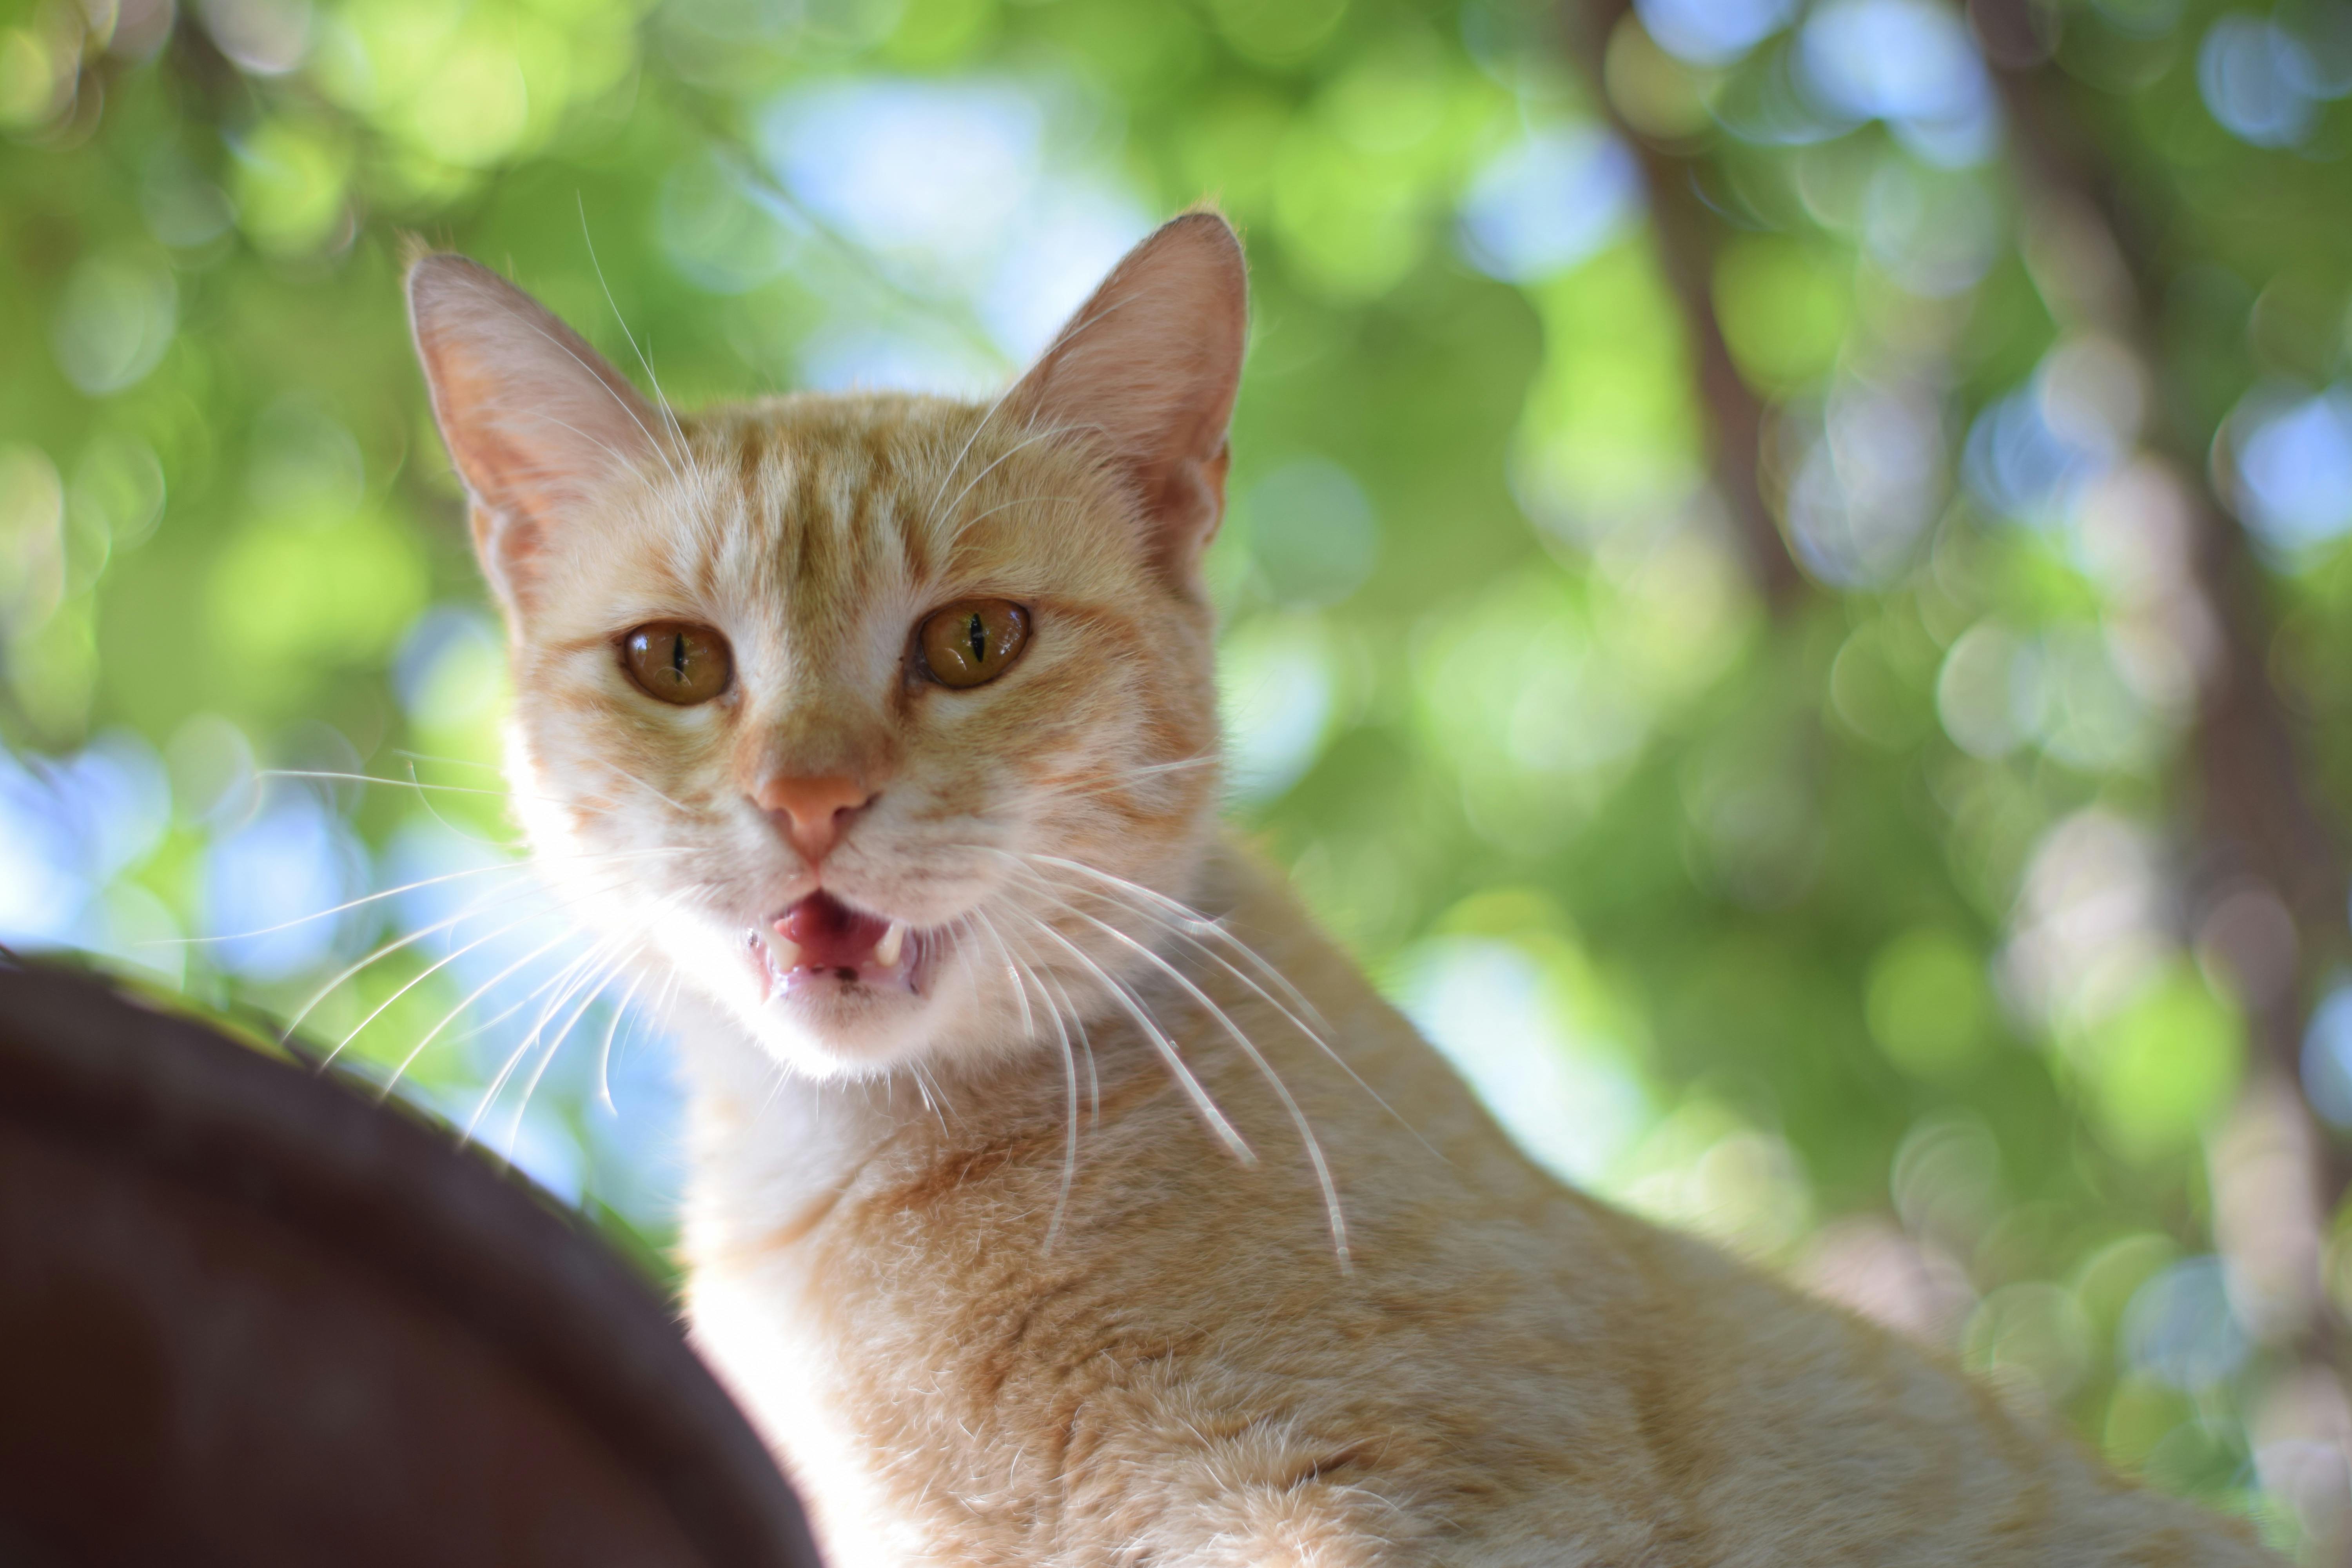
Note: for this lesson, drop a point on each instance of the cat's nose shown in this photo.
(816, 812)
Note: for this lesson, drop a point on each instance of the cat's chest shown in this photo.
(862, 1350)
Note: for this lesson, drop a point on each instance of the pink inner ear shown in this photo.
(533, 418)
(1148, 366)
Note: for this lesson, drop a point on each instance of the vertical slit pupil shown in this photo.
(678, 656)
(978, 630)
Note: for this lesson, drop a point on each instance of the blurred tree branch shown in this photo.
(1685, 235)
(2255, 821)
(2253, 826)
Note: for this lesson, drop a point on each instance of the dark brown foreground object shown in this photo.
(248, 1317)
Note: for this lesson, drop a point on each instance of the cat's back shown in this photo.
(1519, 1374)
(1786, 1431)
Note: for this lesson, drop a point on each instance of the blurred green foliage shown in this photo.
(1877, 926)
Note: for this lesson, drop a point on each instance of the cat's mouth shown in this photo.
(819, 941)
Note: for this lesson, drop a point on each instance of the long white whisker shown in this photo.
(1066, 1009)
(420, 978)
(1008, 505)
(641, 783)
(583, 966)
(1022, 981)
(965, 450)
(592, 990)
(475, 996)
(1127, 1003)
(1314, 1145)
(1045, 434)
(605, 1056)
(351, 904)
(623, 403)
(1070, 1093)
(660, 402)
(1028, 1024)
(923, 1088)
(411, 782)
(473, 910)
(533, 994)
(1314, 1028)
(620, 461)
(1121, 779)
(510, 866)
(447, 762)
(1192, 919)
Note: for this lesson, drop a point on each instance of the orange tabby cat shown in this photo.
(1061, 1194)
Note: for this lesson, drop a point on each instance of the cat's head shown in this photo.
(886, 722)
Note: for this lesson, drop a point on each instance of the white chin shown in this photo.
(830, 1027)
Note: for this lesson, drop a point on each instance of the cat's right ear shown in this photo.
(1150, 366)
(533, 418)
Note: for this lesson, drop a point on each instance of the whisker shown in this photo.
(1065, 1009)
(483, 1026)
(1314, 1028)
(593, 988)
(1028, 1025)
(1022, 980)
(510, 866)
(659, 448)
(446, 762)
(923, 1088)
(476, 995)
(1008, 505)
(473, 910)
(411, 782)
(965, 450)
(643, 784)
(419, 979)
(947, 478)
(340, 908)
(1146, 770)
(1027, 441)
(1314, 1145)
(660, 401)
(605, 1056)
(582, 964)
(1127, 1003)
(1192, 919)
(1120, 779)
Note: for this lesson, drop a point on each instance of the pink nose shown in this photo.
(816, 812)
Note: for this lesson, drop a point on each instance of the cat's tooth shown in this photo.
(784, 952)
(893, 943)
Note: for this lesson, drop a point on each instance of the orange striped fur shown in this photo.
(1124, 1237)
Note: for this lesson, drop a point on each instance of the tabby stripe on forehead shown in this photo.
(747, 456)
(802, 516)
(915, 527)
(882, 495)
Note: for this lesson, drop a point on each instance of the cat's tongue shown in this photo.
(820, 935)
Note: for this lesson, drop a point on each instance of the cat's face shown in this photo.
(884, 723)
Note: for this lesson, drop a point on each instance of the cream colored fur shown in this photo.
(1041, 1265)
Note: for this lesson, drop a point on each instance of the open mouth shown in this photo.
(821, 941)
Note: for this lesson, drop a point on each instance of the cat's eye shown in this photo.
(972, 642)
(677, 661)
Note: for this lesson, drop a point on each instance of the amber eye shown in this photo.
(972, 643)
(677, 661)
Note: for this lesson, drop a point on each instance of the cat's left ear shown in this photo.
(1150, 366)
